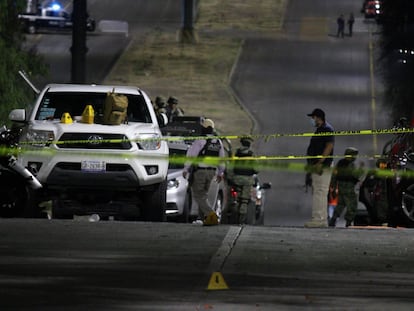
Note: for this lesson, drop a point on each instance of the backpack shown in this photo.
(210, 149)
(115, 109)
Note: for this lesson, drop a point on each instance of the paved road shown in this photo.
(77, 265)
(280, 80)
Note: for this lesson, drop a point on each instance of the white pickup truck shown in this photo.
(90, 167)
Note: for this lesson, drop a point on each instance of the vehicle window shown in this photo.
(53, 105)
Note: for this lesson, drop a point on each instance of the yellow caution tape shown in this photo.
(234, 137)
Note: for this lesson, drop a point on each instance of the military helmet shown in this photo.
(246, 141)
(351, 151)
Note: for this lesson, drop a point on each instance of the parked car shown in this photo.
(51, 18)
(180, 203)
(371, 8)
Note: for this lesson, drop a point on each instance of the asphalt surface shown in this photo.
(79, 265)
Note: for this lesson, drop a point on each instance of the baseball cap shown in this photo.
(317, 113)
(207, 123)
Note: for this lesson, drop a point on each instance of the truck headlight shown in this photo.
(149, 141)
(39, 138)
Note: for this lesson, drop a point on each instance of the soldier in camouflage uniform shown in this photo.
(346, 176)
(243, 177)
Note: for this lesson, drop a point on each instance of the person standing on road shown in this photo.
(346, 176)
(320, 151)
(351, 21)
(243, 177)
(203, 173)
(341, 26)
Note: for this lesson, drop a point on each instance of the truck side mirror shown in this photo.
(17, 115)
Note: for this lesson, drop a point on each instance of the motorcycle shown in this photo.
(18, 193)
(255, 209)
(394, 192)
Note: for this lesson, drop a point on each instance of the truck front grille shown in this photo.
(94, 141)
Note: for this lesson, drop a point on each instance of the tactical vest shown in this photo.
(210, 149)
(244, 167)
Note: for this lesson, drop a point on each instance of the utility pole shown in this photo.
(79, 48)
(187, 33)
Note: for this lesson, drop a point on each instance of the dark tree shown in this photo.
(397, 55)
(13, 90)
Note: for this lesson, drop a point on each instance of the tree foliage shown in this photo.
(397, 30)
(13, 90)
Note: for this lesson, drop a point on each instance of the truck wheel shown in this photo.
(154, 203)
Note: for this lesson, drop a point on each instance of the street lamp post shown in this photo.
(79, 48)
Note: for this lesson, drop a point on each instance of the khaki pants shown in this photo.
(200, 187)
(320, 189)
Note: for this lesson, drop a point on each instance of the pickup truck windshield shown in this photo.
(54, 104)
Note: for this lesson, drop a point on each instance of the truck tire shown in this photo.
(154, 203)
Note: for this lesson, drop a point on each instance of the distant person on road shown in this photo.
(320, 151)
(172, 109)
(346, 176)
(341, 26)
(203, 173)
(351, 21)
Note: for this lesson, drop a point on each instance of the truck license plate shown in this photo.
(93, 166)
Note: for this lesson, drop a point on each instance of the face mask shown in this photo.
(313, 121)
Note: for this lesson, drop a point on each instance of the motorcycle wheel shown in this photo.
(407, 205)
(16, 200)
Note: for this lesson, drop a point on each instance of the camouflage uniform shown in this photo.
(243, 179)
(346, 176)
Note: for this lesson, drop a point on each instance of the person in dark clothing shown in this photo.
(341, 26)
(346, 176)
(351, 21)
(243, 177)
(172, 109)
(320, 151)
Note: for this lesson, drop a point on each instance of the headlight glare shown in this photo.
(40, 138)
